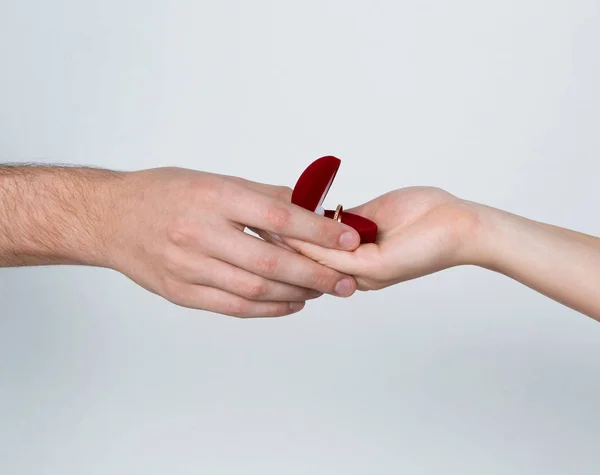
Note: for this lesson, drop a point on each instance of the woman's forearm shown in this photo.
(561, 264)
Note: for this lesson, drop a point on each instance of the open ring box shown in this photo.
(312, 187)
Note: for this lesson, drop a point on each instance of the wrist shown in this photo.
(102, 222)
(126, 196)
(84, 214)
(488, 235)
(473, 224)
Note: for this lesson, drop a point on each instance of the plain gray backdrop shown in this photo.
(462, 372)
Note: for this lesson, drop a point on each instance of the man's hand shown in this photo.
(178, 233)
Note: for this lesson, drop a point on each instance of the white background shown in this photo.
(462, 372)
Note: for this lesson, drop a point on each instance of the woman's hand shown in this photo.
(425, 230)
(421, 230)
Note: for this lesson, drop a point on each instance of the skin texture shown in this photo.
(425, 230)
(178, 233)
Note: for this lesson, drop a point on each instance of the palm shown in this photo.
(420, 232)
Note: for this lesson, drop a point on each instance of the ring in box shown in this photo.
(311, 189)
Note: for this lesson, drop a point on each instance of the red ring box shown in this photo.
(312, 187)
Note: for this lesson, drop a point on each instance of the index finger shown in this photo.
(285, 219)
(282, 193)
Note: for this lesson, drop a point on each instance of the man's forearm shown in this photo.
(560, 263)
(55, 215)
(176, 232)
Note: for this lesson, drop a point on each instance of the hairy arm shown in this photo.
(176, 232)
(55, 215)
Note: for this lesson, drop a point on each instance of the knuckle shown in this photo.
(256, 290)
(171, 264)
(327, 233)
(278, 217)
(268, 264)
(371, 284)
(439, 192)
(283, 193)
(174, 291)
(324, 280)
(237, 308)
(276, 311)
(180, 233)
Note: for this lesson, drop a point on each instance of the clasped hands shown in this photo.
(181, 235)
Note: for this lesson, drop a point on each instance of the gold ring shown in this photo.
(337, 216)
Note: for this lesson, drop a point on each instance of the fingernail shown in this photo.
(343, 288)
(347, 240)
(297, 306)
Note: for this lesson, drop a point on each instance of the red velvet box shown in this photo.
(312, 187)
